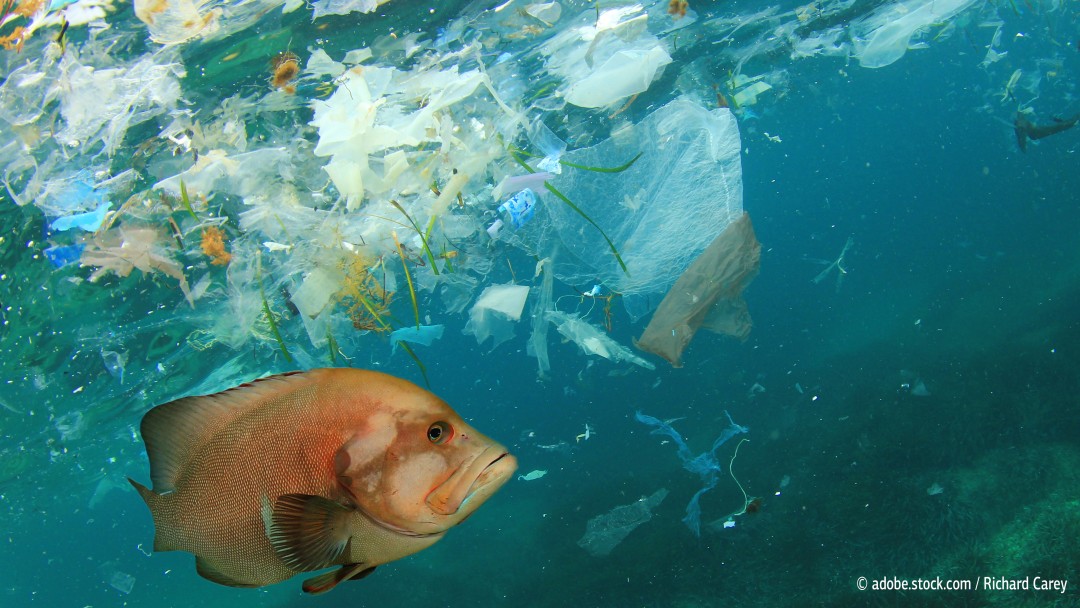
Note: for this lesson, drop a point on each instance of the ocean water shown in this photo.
(911, 415)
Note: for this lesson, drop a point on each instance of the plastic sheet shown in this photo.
(708, 294)
(604, 532)
(496, 312)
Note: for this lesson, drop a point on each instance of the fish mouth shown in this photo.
(475, 482)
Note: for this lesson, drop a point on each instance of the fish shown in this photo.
(304, 471)
(1025, 129)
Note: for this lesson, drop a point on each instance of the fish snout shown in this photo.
(474, 482)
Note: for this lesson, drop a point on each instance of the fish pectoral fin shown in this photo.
(211, 573)
(325, 582)
(308, 532)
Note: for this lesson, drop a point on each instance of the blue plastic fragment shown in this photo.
(62, 255)
(89, 221)
(705, 465)
(423, 335)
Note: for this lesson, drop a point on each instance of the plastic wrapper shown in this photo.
(604, 532)
(708, 294)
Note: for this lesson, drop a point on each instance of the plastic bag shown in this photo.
(709, 294)
(659, 213)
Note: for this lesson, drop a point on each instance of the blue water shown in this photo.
(963, 277)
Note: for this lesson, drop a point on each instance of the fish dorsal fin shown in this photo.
(173, 431)
(325, 582)
(309, 532)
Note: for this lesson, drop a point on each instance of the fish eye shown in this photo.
(440, 432)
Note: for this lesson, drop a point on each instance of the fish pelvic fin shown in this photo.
(325, 582)
(309, 532)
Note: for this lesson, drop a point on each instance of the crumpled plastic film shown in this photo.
(604, 532)
(886, 34)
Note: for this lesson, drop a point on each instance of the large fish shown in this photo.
(305, 471)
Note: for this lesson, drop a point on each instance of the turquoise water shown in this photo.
(917, 419)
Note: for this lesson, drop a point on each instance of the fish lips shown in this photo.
(473, 483)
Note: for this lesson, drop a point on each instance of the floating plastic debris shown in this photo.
(496, 312)
(705, 465)
(604, 532)
(532, 475)
(592, 339)
(423, 335)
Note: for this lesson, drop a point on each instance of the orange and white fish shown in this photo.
(305, 471)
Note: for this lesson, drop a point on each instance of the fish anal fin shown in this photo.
(308, 532)
(326, 582)
(173, 431)
(211, 573)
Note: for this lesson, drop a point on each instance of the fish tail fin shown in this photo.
(153, 500)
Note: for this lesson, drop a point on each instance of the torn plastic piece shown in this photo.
(121, 250)
(748, 95)
(543, 139)
(537, 346)
(495, 312)
(314, 294)
(604, 532)
(89, 221)
(423, 335)
(886, 34)
(592, 339)
(708, 294)
(606, 57)
(61, 256)
(515, 183)
(343, 7)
